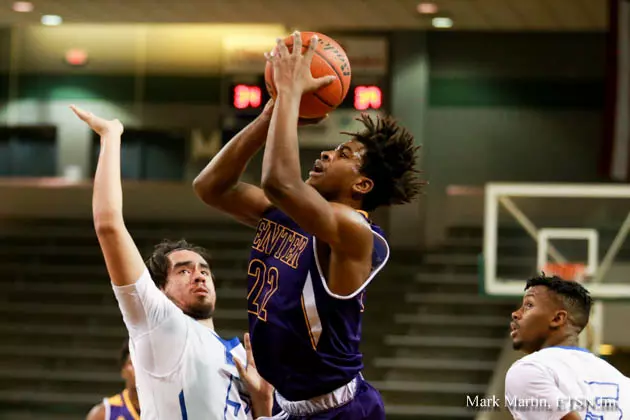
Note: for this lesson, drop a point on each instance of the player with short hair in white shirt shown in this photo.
(557, 379)
(184, 370)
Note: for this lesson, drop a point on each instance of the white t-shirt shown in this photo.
(184, 370)
(555, 381)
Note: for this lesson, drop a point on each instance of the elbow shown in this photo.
(274, 187)
(201, 184)
(203, 190)
(269, 183)
(208, 190)
(198, 186)
(107, 223)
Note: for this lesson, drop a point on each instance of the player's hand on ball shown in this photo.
(292, 70)
(256, 385)
(268, 109)
(99, 125)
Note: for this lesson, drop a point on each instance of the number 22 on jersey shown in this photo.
(265, 285)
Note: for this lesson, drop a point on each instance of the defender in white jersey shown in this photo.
(558, 380)
(184, 370)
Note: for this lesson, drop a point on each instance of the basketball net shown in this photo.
(575, 272)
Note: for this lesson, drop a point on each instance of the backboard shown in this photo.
(577, 231)
(528, 226)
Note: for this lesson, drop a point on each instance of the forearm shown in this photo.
(281, 162)
(225, 169)
(107, 195)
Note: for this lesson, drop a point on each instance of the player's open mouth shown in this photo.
(318, 168)
(514, 329)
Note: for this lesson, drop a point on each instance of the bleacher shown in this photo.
(443, 339)
(429, 339)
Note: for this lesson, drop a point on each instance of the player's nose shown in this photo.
(199, 278)
(325, 155)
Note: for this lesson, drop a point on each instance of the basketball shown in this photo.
(329, 59)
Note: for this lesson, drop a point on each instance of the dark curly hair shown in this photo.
(158, 262)
(572, 295)
(389, 161)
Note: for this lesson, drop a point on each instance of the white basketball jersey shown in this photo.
(555, 381)
(184, 370)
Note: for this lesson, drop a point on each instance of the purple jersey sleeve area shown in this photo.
(119, 407)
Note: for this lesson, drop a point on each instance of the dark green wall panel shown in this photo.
(530, 93)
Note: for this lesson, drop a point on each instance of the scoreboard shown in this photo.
(253, 97)
(246, 94)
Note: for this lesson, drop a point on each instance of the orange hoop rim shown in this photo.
(566, 271)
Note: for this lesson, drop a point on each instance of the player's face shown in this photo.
(533, 322)
(128, 374)
(189, 284)
(337, 172)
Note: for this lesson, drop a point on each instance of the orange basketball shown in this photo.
(329, 59)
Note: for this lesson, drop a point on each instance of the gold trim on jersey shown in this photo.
(130, 407)
(115, 401)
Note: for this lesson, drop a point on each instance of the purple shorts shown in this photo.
(367, 404)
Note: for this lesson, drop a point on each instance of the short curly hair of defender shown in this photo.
(572, 295)
(158, 262)
(389, 161)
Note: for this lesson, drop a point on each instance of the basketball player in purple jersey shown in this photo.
(315, 250)
(124, 405)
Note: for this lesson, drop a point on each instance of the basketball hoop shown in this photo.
(566, 271)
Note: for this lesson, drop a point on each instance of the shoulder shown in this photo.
(97, 412)
(351, 223)
(524, 367)
(527, 372)
(115, 400)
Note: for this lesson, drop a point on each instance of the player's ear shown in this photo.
(560, 318)
(363, 186)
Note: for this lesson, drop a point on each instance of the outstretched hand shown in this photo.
(100, 125)
(292, 70)
(268, 109)
(256, 385)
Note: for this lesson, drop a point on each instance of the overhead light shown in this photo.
(23, 6)
(76, 57)
(427, 8)
(606, 349)
(442, 22)
(51, 20)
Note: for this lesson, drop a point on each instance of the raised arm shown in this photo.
(122, 258)
(151, 318)
(218, 184)
(281, 176)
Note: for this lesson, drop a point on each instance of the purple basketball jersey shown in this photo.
(305, 339)
(119, 407)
